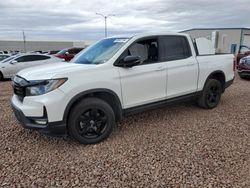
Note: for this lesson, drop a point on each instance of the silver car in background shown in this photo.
(13, 64)
(3, 56)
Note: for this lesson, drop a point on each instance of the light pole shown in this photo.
(105, 20)
(24, 42)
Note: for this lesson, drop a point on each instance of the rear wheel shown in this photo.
(211, 95)
(91, 121)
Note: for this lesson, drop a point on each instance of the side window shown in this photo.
(32, 58)
(71, 51)
(78, 50)
(39, 57)
(20, 59)
(174, 48)
(146, 49)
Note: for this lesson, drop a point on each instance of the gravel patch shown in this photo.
(177, 146)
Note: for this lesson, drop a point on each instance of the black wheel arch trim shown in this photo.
(88, 92)
(1, 75)
(212, 74)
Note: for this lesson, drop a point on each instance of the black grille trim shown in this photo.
(19, 91)
(19, 87)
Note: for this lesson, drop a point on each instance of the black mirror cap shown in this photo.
(130, 61)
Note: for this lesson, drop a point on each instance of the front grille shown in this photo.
(19, 91)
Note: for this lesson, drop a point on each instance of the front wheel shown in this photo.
(211, 94)
(91, 121)
(241, 76)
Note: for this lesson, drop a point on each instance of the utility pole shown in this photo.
(105, 21)
(24, 42)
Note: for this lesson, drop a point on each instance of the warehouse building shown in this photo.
(11, 45)
(225, 40)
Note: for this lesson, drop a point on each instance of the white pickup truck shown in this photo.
(116, 77)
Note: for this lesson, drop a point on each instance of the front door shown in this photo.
(16, 65)
(144, 83)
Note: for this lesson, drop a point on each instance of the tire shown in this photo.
(211, 94)
(91, 121)
(1, 76)
(240, 75)
(244, 77)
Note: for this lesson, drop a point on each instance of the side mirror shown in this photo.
(67, 53)
(130, 61)
(13, 62)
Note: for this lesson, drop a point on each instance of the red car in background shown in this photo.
(244, 67)
(68, 53)
(243, 52)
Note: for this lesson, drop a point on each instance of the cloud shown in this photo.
(76, 20)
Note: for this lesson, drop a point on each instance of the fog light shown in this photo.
(41, 122)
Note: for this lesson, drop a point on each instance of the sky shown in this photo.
(76, 20)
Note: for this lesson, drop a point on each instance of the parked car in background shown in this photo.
(13, 64)
(3, 56)
(244, 67)
(243, 52)
(116, 77)
(4, 52)
(52, 52)
(68, 53)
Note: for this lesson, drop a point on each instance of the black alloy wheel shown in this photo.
(91, 120)
(92, 123)
(211, 94)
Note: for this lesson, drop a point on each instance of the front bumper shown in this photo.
(244, 73)
(52, 128)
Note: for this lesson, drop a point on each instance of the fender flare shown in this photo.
(211, 75)
(92, 91)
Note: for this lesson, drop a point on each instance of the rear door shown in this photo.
(38, 60)
(182, 67)
(34, 60)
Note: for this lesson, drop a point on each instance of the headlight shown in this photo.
(242, 61)
(44, 86)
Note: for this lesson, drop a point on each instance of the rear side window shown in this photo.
(74, 50)
(41, 57)
(174, 48)
(77, 50)
(32, 58)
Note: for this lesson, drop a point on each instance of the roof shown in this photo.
(217, 28)
(147, 34)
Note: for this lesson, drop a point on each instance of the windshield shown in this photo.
(100, 52)
(2, 57)
(8, 59)
(244, 49)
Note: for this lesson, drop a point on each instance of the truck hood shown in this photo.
(50, 71)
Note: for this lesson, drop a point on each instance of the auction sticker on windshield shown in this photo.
(120, 40)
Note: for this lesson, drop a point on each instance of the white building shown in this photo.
(228, 40)
(13, 45)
